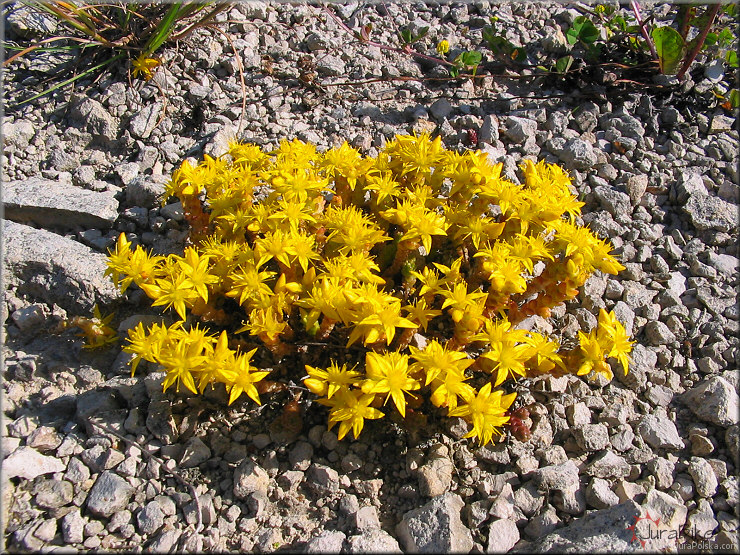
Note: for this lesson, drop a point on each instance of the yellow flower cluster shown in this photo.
(295, 245)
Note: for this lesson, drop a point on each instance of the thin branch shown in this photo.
(408, 51)
(643, 28)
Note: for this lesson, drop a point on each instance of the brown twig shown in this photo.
(408, 51)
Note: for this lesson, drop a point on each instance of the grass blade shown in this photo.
(68, 81)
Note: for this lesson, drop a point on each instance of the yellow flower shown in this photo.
(443, 47)
(486, 412)
(350, 409)
(143, 66)
(388, 373)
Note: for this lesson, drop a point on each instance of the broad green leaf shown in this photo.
(406, 36)
(670, 48)
(472, 58)
(585, 30)
(731, 58)
(709, 40)
(725, 37)
(571, 36)
(422, 33)
(563, 64)
(734, 98)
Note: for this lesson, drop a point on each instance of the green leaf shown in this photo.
(709, 40)
(571, 36)
(670, 48)
(454, 72)
(584, 30)
(422, 33)
(725, 37)
(734, 98)
(731, 58)
(471, 58)
(563, 64)
(406, 36)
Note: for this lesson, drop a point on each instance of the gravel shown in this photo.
(658, 176)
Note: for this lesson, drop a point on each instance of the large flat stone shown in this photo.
(55, 269)
(47, 202)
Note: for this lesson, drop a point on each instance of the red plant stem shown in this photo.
(699, 42)
(643, 30)
(385, 46)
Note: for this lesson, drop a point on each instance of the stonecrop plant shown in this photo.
(418, 265)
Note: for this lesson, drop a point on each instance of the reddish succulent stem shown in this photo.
(699, 41)
(638, 16)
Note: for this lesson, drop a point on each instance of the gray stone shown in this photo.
(503, 534)
(662, 470)
(72, 527)
(300, 455)
(27, 463)
(689, 184)
(636, 186)
(518, 130)
(671, 515)
(711, 213)
(657, 333)
(165, 541)
(705, 480)
(365, 518)
(602, 531)
(196, 452)
(56, 203)
(435, 527)
(599, 494)
(160, 422)
(715, 401)
(659, 431)
(322, 478)
(373, 541)
(701, 523)
(52, 494)
(331, 65)
(249, 478)
(592, 437)
(489, 130)
(542, 524)
(724, 263)
(28, 318)
(608, 465)
(109, 494)
(441, 109)
(561, 477)
(150, 518)
(145, 190)
(328, 541)
(58, 270)
(18, 133)
(173, 211)
(435, 476)
(95, 119)
(616, 202)
(579, 155)
(144, 122)
(46, 530)
(100, 458)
